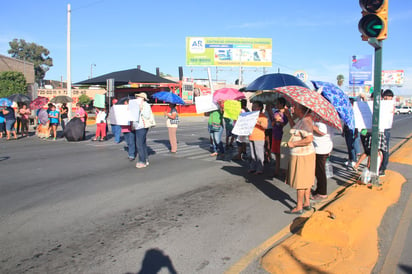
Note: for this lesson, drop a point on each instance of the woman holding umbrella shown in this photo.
(301, 173)
(171, 123)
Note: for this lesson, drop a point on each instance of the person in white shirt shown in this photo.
(322, 140)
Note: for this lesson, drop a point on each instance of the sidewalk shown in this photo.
(341, 234)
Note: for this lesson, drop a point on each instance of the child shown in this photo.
(54, 120)
(101, 125)
(279, 121)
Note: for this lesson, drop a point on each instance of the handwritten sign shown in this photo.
(363, 113)
(231, 109)
(99, 100)
(245, 123)
(205, 104)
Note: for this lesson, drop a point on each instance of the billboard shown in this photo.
(360, 69)
(225, 51)
(393, 77)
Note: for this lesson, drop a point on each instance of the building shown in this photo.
(13, 64)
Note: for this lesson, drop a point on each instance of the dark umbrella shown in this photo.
(19, 98)
(123, 99)
(124, 77)
(61, 99)
(274, 80)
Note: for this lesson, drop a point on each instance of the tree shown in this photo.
(84, 99)
(12, 82)
(36, 54)
(340, 78)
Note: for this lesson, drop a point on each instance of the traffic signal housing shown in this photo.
(374, 21)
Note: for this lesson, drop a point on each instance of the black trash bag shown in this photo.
(74, 130)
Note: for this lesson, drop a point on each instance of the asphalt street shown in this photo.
(84, 208)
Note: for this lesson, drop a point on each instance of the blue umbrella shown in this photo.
(274, 80)
(5, 102)
(339, 100)
(168, 97)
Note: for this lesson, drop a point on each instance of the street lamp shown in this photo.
(91, 70)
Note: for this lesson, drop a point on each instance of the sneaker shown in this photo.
(140, 165)
(147, 162)
(381, 173)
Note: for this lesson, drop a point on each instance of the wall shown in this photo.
(12, 64)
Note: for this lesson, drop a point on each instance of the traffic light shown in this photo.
(374, 21)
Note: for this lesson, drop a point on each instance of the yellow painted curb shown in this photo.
(341, 239)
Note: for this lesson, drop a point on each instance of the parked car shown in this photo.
(403, 110)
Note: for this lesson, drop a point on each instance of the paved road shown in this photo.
(84, 208)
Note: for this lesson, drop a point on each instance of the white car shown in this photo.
(403, 110)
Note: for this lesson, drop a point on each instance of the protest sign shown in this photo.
(99, 100)
(134, 109)
(232, 109)
(205, 104)
(121, 115)
(245, 123)
(363, 112)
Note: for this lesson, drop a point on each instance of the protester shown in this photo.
(2, 124)
(100, 125)
(230, 137)
(301, 173)
(172, 124)
(24, 117)
(215, 125)
(268, 133)
(140, 129)
(278, 122)
(241, 140)
(352, 140)
(323, 146)
(64, 111)
(54, 120)
(10, 117)
(129, 138)
(81, 113)
(257, 140)
(386, 95)
(116, 129)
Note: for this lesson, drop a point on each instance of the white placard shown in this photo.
(205, 104)
(363, 112)
(134, 108)
(121, 115)
(245, 123)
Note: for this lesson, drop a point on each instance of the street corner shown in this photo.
(341, 237)
(403, 155)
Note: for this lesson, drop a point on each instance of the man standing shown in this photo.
(386, 95)
(116, 129)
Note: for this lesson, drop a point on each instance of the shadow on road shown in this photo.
(153, 261)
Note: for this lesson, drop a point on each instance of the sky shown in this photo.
(316, 36)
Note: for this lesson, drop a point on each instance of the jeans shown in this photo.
(116, 130)
(350, 144)
(217, 140)
(257, 152)
(385, 154)
(141, 144)
(130, 139)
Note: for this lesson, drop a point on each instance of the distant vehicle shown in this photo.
(403, 110)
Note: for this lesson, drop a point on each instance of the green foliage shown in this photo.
(84, 99)
(36, 54)
(12, 82)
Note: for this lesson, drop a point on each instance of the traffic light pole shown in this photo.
(374, 163)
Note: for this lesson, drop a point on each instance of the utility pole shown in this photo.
(69, 77)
